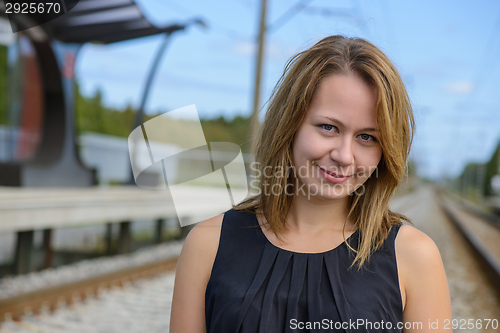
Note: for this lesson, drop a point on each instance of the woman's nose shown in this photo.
(342, 151)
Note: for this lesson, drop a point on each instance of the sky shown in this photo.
(446, 51)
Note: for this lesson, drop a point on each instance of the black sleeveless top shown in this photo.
(257, 287)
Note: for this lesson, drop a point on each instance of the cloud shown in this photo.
(459, 87)
(244, 48)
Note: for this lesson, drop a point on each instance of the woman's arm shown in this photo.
(424, 288)
(192, 275)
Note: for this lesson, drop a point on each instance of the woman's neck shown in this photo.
(318, 215)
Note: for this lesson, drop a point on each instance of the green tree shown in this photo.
(492, 169)
(236, 130)
(93, 116)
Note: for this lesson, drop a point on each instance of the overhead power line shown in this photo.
(288, 15)
(219, 28)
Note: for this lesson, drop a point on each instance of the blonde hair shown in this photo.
(287, 107)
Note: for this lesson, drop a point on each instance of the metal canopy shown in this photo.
(103, 21)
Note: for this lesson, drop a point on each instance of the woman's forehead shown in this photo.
(346, 99)
(348, 122)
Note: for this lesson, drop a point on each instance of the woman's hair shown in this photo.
(286, 110)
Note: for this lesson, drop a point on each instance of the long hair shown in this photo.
(287, 107)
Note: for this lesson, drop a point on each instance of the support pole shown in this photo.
(125, 239)
(139, 116)
(158, 231)
(24, 247)
(47, 249)
(108, 239)
(258, 72)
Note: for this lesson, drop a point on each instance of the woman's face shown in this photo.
(336, 148)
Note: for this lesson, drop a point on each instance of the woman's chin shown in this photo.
(326, 191)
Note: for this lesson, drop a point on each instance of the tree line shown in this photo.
(93, 116)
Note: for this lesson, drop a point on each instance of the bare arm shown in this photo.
(192, 275)
(426, 297)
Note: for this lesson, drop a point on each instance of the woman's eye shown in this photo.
(366, 137)
(327, 127)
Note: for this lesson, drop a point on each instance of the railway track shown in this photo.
(473, 293)
(14, 308)
(97, 295)
(139, 306)
(480, 229)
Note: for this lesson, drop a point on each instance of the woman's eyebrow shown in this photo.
(367, 129)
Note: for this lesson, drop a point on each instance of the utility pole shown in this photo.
(258, 72)
(263, 29)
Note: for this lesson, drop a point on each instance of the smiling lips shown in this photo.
(332, 177)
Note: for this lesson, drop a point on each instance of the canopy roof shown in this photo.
(98, 21)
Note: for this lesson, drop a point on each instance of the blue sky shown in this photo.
(446, 51)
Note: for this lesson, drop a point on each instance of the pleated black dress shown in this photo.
(257, 287)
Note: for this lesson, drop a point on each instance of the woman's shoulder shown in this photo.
(414, 245)
(204, 237)
(192, 275)
(199, 252)
(419, 262)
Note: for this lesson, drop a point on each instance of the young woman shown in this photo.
(318, 249)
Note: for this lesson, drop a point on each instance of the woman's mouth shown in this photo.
(333, 177)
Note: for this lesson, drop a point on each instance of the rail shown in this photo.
(465, 217)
